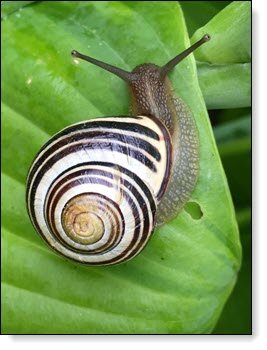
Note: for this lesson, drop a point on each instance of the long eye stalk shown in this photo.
(123, 74)
(128, 76)
(173, 62)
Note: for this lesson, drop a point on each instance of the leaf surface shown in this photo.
(225, 85)
(224, 63)
(181, 281)
(198, 13)
(230, 31)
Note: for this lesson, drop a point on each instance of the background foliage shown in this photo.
(227, 92)
(182, 280)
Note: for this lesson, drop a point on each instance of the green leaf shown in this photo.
(198, 13)
(225, 85)
(237, 314)
(234, 145)
(233, 130)
(224, 67)
(8, 7)
(182, 279)
(230, 135)
(230, 32)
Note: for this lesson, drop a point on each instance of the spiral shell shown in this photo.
(93, 189)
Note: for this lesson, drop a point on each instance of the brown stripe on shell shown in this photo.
(113, 125)
(135, 214)
(40, 168)
(52, 226)
(107, 206)
(169, 156)
(145, 235)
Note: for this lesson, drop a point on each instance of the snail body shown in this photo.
(97, 189)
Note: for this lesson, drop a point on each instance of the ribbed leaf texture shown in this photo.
(181, 281)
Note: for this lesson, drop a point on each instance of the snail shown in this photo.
(97, 189)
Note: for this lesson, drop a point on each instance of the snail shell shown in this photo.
(84, 196)
(97, 189)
